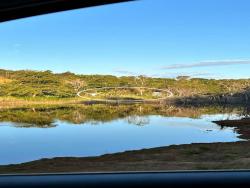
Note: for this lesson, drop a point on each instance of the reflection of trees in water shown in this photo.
(246, 112)
(93, 122)
(78, 117)
(26, 125)
(138, 120)
(137, 114)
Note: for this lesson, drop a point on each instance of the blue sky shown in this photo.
(160, 38)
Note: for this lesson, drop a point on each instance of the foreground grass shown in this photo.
(182, 157)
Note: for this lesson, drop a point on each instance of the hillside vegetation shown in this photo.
(26, 83)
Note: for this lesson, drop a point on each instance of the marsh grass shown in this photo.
(14, 102)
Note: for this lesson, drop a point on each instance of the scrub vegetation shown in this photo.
(38, 85)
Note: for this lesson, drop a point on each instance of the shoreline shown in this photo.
(216, 156)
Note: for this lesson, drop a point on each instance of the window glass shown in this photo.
(141, 86)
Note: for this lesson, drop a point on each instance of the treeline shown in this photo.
(26, 83)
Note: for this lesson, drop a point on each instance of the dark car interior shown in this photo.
(16, 9)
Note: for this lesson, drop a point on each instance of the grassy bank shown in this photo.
(14, 102)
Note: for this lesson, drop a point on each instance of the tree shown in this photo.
(141, 79)
(78, 84)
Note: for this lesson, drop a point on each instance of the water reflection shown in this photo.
(44, 132)
(138, 120)
(45, 116)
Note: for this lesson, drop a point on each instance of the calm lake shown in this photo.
(34, 133)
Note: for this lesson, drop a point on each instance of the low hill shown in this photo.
(26, 83)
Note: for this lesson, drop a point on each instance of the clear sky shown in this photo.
(161, 38)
